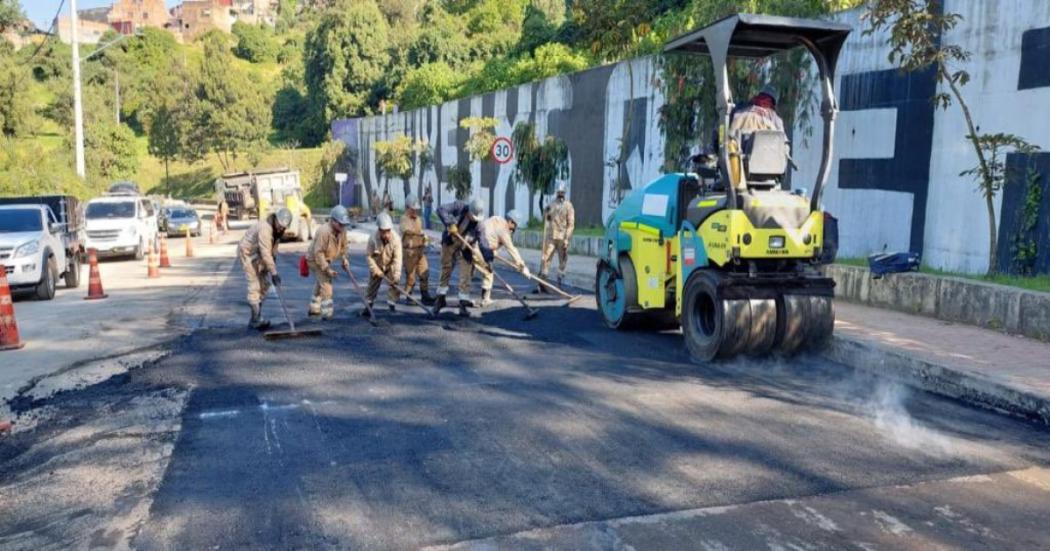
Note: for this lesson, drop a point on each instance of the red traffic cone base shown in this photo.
(95, 291)
(9, 339)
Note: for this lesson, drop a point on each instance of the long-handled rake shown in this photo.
(530, 312)
(540, 281)
(292, 333)
(364, 299)
(414, 300)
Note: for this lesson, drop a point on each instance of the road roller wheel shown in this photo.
(704, 318)
(803, 321)
(611, 295)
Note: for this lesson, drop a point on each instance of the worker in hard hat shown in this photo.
(328, 246)
(384, 261)
(460, 218)
(760, 113)
(560, 222)
(414, 243)
(497, 233)
(258, 252)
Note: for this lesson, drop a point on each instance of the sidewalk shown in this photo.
(979, 366)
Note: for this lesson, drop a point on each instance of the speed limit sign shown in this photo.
(502, 150)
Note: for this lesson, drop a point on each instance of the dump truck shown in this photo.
(260, 193)
(727, 252)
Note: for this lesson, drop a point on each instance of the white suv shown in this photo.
(120, 225)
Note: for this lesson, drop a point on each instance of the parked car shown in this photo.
(39, 245)
(178, 219)
(120, 225)
(124, 188)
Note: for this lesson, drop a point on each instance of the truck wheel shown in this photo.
(72, 277)
(703, 318)
(45, 290)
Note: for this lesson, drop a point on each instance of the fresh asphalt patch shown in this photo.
(436, 432)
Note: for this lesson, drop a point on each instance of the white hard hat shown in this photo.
(561, 188)
(412, 201)
(513, 216)
(384, 222)
(283, 217)
(339, 214)
(477, 207)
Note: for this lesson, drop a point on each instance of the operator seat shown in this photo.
(765, 158)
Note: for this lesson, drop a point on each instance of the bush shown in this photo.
(428, 85)
(255, 43)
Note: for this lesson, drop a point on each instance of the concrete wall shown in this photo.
(895, 183)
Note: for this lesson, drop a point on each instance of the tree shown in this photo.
(111, 150)
(430, 84)
(10, 14)
(536, 30)
(540, 161)
(479, 144)
(16, 101)
(255, 43)
(442, 38)
(165, 142)
(917, 30)
(459, 181)
(234, 114)
(344, 56)
(400, 156)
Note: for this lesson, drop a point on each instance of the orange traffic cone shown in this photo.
(152, 269)
(211, 236)
(165, 262)
(95, 279)
(189, 244)
(9, 339)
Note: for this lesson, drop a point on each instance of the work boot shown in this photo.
(258, 321)
(439, 303)
(364, 311)
(486, 298)
(561, 278)
(314, 309)
(463, 307)
(540, 289)
(327, 310)
(425, 297)
(391, 305)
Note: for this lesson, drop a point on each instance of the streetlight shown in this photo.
(78, 104)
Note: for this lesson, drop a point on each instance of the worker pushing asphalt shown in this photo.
(328, 246)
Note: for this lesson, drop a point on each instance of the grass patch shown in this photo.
(536, 224)
(1039, 283)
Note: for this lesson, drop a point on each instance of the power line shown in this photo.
(50, 32)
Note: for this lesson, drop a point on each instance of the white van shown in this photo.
(119, 225)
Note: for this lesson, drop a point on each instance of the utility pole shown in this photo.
(116, 77)
(78, 106)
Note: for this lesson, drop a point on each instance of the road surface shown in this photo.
(496, 432)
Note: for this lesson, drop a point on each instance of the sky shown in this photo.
(41, 12)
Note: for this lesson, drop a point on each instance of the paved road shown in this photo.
(500, 432)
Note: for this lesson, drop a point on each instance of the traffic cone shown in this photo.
(9, 339)
(165, 262)
(95, 279)
(211, 236)
(152, 269)
(189, 244)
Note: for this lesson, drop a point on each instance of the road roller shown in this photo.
(728, 251)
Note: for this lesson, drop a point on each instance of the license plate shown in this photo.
(183, 227)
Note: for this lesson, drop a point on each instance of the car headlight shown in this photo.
(27, 249)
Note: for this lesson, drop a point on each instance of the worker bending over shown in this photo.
(460, 218)
(560, 223)
(329, 244)
(414, 243)
(497, 233)
(258, 252)
(384, 261)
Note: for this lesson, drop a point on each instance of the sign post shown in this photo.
(340, 178)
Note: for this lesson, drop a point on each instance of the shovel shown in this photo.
(540, 281)
(292, 333)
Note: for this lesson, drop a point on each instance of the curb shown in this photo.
(938, 379)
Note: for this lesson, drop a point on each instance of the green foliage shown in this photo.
(479, 144)
(10, 14)
(540, 162)
(536, 30)
(991, 175)
(165, 142)
(442, 38)
(286, 15)
(429, 84)
(345, 55)
(399, 157)
(255, 43)
(1024, 244)
(28, 168)
(110, 150)
(17, 116)
(459, 181)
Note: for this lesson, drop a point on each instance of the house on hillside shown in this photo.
(127, 16)
(193, 18)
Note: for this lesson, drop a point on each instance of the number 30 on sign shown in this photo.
(502, 150)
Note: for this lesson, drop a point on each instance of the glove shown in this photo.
(330, 272)
(453, 229)
(276, 279)
(525, 272)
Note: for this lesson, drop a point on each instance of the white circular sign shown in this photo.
(502, 150)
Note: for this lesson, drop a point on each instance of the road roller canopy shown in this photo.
(759, 36)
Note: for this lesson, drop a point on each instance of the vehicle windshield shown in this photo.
(18, 220)
(180, 213)
(110, 210)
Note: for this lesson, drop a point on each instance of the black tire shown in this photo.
(620, 317)
(703, 318)
(45, 290)
(72, 275)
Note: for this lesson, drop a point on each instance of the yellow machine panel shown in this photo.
(651, 259)
(730, 230)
